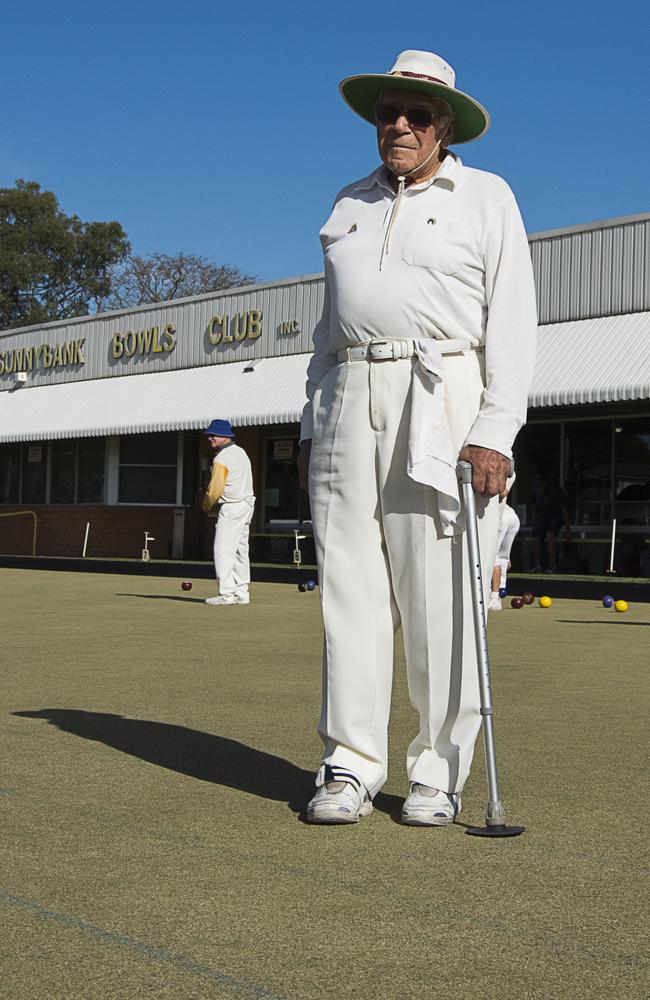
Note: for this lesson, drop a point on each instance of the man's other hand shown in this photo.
(304, 455)
(489, 469)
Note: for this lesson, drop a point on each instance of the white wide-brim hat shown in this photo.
(424, 73)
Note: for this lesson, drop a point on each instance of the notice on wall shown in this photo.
(35, 453)
(283, 450)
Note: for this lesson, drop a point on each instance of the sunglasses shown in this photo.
(418, 118)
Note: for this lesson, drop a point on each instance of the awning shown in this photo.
(602, 360)
(273, 392)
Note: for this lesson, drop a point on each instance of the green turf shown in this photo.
(152, 844)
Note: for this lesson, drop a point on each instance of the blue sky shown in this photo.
(217, 128)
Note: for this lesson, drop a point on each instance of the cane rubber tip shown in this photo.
(495, 831)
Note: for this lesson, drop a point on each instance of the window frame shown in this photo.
(177, 465)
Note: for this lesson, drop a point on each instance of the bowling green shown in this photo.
(157, 754)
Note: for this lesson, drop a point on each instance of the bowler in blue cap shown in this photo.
(230, 491)
(220, 428)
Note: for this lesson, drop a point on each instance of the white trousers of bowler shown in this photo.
(383, 560)
(504, 545)
(231, 559)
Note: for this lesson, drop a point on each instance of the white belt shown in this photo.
(398, 350)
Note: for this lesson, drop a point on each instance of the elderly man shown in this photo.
(231, 491)
(423, 355)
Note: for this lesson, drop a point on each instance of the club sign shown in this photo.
(33, 359)
(150, 340)
(224, 329)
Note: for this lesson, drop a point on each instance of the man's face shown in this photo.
(217, 442)
(404, 147)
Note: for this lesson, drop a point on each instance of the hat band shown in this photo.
(420, 76)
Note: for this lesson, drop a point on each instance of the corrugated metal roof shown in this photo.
(593, 361)
(598, 270)
(273, 393)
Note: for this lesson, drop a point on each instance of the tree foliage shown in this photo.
(160, 277)
(52, 266)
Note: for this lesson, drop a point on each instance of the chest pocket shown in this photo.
(448, 247)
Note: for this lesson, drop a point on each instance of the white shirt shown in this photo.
(239, 475)
(457, 268)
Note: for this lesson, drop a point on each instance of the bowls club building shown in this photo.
(101, 416)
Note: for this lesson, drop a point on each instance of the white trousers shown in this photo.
(509, 530)
(231, 559)
(383, 560)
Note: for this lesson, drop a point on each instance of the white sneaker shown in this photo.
(427, 806)
(242, 598)
(220, 600)
(495, 604)
(339, 802)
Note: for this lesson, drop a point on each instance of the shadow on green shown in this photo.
(196, 754)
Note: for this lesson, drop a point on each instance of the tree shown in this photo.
(52, 266)
(160, 277)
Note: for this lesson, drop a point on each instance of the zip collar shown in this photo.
(447, 175)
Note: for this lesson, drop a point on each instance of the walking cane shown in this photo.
(495, 815)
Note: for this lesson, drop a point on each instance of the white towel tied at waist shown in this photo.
(432, 457)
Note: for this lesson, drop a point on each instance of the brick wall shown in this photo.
(114, 531)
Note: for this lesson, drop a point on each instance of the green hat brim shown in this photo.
(471, 120)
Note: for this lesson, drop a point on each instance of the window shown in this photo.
(588, 470)
(34, 475)
(148, 468)
(537, 454)
(191, 470)
(10, 473)
(632, 457)
(90, 470)
(64, 468)
(77, 471)
(284, 501)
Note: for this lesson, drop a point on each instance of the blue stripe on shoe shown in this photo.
(335, 773)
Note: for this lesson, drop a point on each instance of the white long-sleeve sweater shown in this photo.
(457, 267)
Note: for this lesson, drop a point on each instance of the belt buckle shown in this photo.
(371, 347)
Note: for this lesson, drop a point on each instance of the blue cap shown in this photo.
(220, 428)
